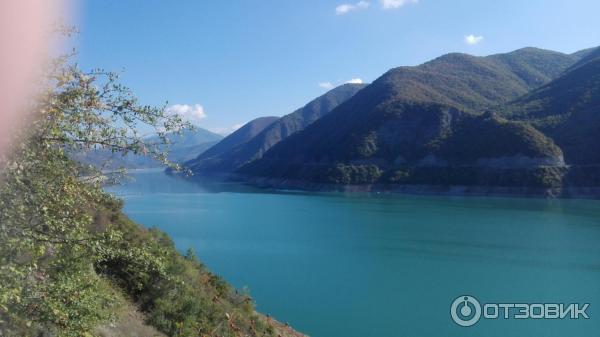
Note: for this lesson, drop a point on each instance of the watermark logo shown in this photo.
(467, 311)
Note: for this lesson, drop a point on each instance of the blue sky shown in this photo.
(231, 61)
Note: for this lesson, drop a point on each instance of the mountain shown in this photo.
(255, 147)
(182, 147)
(568, 111)
(585, 52)
(426, 125)
(428, 144)
(536, 66)
(470, 82)
(240, 136)
(190, 143)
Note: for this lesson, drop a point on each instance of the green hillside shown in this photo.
(567, 110)
(428, 119)
(71, 263)
(469, 82)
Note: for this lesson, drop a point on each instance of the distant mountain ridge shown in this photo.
(239, 136)
(182, 147)
(230, 158)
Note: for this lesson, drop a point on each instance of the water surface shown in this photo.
(361, 265)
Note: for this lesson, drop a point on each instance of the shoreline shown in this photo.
(452, 190)
(569, 192)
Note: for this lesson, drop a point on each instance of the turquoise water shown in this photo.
(383, 265)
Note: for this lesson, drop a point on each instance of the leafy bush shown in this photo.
(69, 258)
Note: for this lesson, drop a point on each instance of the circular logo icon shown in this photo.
(465, 310)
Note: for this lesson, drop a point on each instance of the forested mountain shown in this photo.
(568, 111)
(437, 123)
(226, 161)
(240, 136)
(464, 81)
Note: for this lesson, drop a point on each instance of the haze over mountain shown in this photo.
(428, 125)
(182, 147)
(226, 158)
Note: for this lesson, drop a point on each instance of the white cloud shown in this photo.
(355, 81)
(191, 113)
(228, 130)
(331, 85)
(347, 8)
(473, 40)
(393, 4)
(326, 85)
